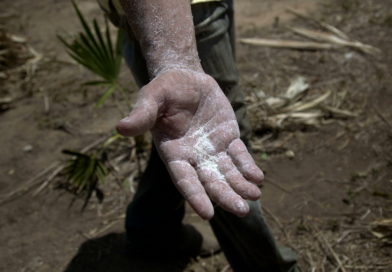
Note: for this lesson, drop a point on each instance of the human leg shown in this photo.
(246, 242)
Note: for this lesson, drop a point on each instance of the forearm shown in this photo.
(165, 31)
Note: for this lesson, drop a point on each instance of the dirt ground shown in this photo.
(328, 188)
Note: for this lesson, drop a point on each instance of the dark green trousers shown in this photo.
(155, 215)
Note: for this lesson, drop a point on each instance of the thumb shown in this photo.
(142, 118)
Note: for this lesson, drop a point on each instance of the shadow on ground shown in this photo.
(108, 253)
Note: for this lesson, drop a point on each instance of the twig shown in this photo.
(49, 179)
(382, 117)
(290, 44)
(368, 211)
(323, 260)
(340, 112)
(46, 104)
(280, 225)
(94, 144)
(367, 268)
(23, 189)
(310, 261)
(274, 183)
(226, 268)
(344, 235)
(97, 231)
(335, 40)
(364, 186)
(326, 26)
(276, 220)
(320, 236)
(301, 106)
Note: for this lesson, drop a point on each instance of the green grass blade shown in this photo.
(86, 27)
(107, 47)
(119, 48)
(90, 66)
(72, 153)
(88, 46)
(94, 49)
(104, 47)
(109, 40)
(82, 55)
(106, 95)
(95, 83)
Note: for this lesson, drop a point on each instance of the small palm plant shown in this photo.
(94, 49)
(84, 173)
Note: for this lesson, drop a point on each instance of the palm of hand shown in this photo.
(197, 136)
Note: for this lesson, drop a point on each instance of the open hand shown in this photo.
(197, 136)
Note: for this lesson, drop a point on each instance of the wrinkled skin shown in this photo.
(197, 136)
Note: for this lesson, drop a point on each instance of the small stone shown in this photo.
(27, 148)
(290, 154)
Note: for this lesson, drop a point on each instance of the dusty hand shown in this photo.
(196, 133)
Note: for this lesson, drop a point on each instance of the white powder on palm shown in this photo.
(204, 150)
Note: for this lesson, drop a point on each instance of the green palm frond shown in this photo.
(94, 49)
(84, 173)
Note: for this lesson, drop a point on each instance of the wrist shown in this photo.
(172, 59)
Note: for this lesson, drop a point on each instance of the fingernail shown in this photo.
(125, 119)
(257, 194)
(241, 206)
(259, 173)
